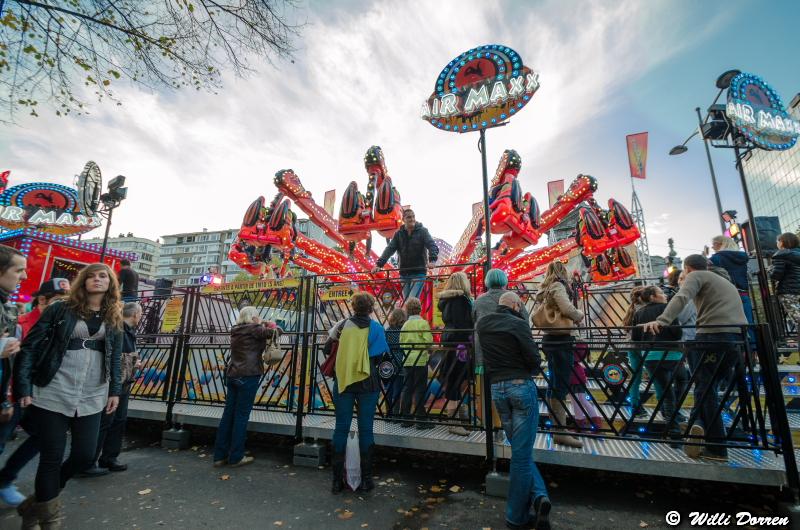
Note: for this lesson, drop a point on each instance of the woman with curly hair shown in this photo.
(66, 376)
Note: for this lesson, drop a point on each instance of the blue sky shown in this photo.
(607, 69)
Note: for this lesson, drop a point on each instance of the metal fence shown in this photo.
(608, 387)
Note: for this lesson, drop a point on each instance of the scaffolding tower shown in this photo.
(644, 266)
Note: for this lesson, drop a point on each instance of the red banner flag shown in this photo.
(555, 189)
(637, 154)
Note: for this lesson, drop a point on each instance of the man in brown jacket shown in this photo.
(720, 315)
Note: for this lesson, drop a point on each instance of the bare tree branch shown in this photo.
(50, 50)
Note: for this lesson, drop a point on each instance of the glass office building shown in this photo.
(773, 178)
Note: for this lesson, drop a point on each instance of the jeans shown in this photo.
(412, 285)
(7, 428)
(51, 429)
(717, 361)
(415, 379)
(518, 408)
(112, 429)
(393, 393)
(232, 430)
(662, 373)
(27, 451)
(560, 350)
(367, 403)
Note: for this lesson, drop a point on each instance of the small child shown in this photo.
(395, 386)
(582, 407)
(416, 338)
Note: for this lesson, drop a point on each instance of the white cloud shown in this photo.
(197, 160)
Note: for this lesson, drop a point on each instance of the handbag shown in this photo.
(272, 353)
(328, 368)
(546, 315)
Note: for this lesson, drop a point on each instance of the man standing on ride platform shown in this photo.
(128, 281)
(720, 316)
(410, 243)
(511, 359)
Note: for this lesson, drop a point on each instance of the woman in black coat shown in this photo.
(786, 274)
(455, 305)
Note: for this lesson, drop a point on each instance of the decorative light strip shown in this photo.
(31, 234)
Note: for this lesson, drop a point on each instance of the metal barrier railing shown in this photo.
(731, 389)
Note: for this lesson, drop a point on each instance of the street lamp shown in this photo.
(680, 149)
(111, 199)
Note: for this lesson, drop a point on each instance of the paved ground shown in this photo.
(180, 489)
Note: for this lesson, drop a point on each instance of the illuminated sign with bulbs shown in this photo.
(757, 111)
(481, 88)
(50, 208)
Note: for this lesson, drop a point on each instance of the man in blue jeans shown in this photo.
(511, 358)
(411, 243)
(720, 321)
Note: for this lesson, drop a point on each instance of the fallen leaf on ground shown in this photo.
(278, 523)
(455, 489)
(442, 481)
(364, 525)
(195, 447)
(347, 514)
(225, 477)
(145, 492)
(436, 489)
(642, 524)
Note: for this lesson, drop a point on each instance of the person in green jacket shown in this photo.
(416, 338)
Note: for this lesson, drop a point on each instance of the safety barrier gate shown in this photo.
(633, 405)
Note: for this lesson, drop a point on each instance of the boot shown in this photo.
(338, 473)
(41, 515)
(367, 483)
(459, 430)
(560, 415)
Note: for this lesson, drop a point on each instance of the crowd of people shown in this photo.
(68, 364)
(67, 367)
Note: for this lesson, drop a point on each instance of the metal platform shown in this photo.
(627, 456)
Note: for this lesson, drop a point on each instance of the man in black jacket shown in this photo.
(511, 358)
(410, 243)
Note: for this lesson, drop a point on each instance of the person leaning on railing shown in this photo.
(786, 274)
(361, 343)
(417, 340)
(661, 362)
(720, 317)
(455, 304)
(558, 341)
(634, 355)
(496, 282)
(242, 374)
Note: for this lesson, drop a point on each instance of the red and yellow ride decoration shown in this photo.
(379, 210)
(600, 235)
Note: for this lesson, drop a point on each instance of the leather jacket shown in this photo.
(248, 342)
(38, 361)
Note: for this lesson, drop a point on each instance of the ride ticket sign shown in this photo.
(481, 88)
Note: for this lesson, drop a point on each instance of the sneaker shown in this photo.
(244, 461)
(11, 496)
(458, 430)
(541, 513)
(693, 451)
(642, 413)
(220, 463)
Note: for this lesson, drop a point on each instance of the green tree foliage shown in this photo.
(51, 49)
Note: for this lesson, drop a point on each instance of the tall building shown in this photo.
(773, 179)
(147, 250)
(186, 257)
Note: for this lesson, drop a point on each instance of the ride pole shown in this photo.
(487, 229)
(105, 237)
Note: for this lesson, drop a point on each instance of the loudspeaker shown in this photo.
(163, 287)
(769, 228)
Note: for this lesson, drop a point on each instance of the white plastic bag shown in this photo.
(352, 462)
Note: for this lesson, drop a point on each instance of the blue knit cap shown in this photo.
(496, 279)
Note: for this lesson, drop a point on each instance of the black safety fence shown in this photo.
(703, 396)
